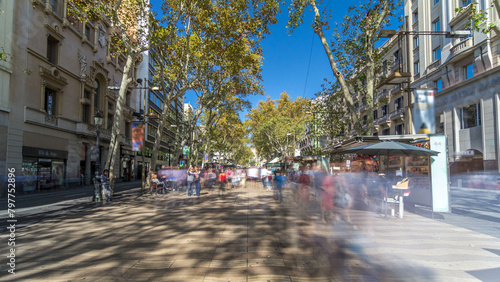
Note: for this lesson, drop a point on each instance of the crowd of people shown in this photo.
(361, 187)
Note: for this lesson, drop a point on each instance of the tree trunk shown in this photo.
(318, 29)
(114, 142)
(370, 84)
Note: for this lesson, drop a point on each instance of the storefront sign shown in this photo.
(44, 153)
(127, 152)
(423, 112)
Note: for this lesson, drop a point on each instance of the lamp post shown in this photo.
(142, 116)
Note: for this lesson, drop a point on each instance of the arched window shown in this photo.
(96, 94)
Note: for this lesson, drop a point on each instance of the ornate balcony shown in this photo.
(41, 118)
(384, 120)
(434, 65)
(461, 47)
(398, 114)
(91, 130)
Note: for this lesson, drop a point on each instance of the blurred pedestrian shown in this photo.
(190, 180)
(328, 191)
(222, 182)
(197, 180)
(280, 181)
(105, 185)
(263, 177)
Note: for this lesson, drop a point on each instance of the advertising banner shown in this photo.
(137, 136)
(423, 112)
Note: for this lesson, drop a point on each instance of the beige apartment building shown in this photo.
(463, 72)
(55, 79)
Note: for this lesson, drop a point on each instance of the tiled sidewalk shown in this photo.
(243, 236)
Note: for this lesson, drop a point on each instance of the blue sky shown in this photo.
(288, 58)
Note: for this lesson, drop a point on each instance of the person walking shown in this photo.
(190, 180)
(280, 180)
(197, 180)
(263, 176)
(105, 185)
(222, 182)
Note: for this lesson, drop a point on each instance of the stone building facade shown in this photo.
(463, 72)
(60, 70)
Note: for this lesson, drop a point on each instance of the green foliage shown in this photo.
(352, 54)
(479, 18)
(276, 124)
(331, 119)
(214, 50)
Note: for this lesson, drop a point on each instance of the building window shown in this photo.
(152, 130)
(415, 16)
(438, 85)
(440, 123)
(86, 113)
(89, 32)
(386, 131)
(470, 116)
(436, 25)
(399, 129)
(436, 54)
(52, 49)
(54, 4)
(398, 103)
(96, 94)
(50, 101)
(416, 42)
(435, 2)
(396, 56)
(468, 71)
(384, 110)
(375, 114)
(110, 121)
(416, 68)
(464, 3)
(128, 130)
(365, 119)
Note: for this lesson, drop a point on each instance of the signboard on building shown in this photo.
(423, 112)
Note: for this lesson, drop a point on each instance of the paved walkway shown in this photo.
(243, 236)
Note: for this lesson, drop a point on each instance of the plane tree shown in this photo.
(274, 125)
(351, 50)
(189, 36)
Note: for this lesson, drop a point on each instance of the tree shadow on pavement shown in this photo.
(243, 234)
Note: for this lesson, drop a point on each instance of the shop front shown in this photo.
(43, 169)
